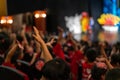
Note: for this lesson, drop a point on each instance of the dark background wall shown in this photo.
(56, 9)
(21, 6)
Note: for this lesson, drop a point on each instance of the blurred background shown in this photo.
(86, 19)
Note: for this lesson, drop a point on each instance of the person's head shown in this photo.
(20, 39)
(91, 55)
(56, 69)
(115, 60)
(113, 74)
(68, 47)
(117, 45)
(5, 42)
(18, 54)
(98, 71)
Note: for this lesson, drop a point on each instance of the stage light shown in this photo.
(2, 21)
(39, 14)
(73, 24)
(9, 21)
(6, 20)
(43, 15)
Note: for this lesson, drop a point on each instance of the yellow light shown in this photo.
(43, 15)
(9, 21)
(2, 21)
(108, 19)
(37, 15)
(6, 20)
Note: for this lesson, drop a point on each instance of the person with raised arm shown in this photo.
(15, 53)
(57, 49)
(7, 61)
(46, 54)
(105, 56)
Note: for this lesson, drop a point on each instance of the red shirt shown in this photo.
(86, 70)
(78, 56)
(57, 49)
(9, 64)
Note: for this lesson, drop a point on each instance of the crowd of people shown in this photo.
(54, 57)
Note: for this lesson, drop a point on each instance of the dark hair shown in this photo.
(97, 72)
(56, 69)
(69, 47)
(115, 59)
(16, 55)
(19, 38)
(91, 54)
(55, 42)
(117, 45)
(5, 42)
(113, 74)
(51, 51)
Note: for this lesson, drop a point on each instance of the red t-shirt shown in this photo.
(86, 70)
(78, 56)
(9, 64)
(57, 49)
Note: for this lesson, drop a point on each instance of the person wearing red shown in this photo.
(77, 58)
(11, 54)
(87, 65)
(57, 49)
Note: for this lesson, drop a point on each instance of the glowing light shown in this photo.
(111, 28)
(43, 15)
(6, 20)
(73, 24)
(108, 19)
(114, 7)
(9, 21)
(37, 15)
(2, 21)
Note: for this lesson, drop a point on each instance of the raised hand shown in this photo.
(19, 45)
(51, 42)
(46, 54)
(60, 29)
(37, 35)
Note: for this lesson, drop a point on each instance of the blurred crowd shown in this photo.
(39, 56)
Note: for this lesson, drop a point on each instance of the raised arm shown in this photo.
(23, 35)
(108, 64)
(70, 37)
(35, 55)
(106, 58)
(103, 52)
(60, 35)
(46, 54)
(50, 43)
(11, 53)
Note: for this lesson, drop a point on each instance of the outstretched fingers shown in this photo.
(36, 31)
